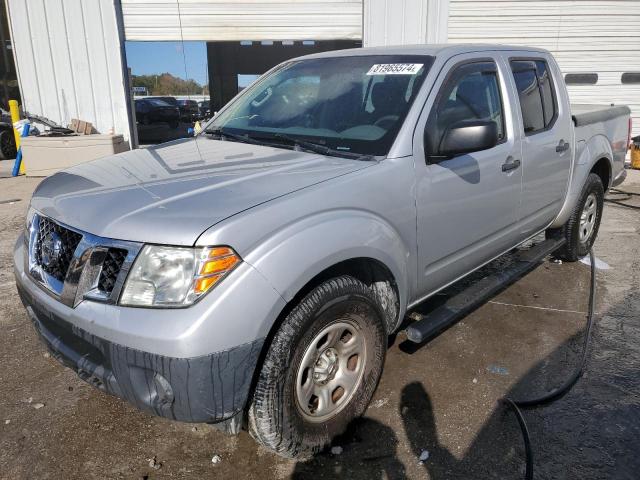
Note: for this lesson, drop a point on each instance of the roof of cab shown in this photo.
(425, 49)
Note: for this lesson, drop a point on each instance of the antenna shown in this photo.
(184, 54)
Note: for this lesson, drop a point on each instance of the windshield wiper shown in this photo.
(321, 149)
(222, 133)
(290, 142)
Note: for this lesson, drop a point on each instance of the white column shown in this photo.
(405, 22)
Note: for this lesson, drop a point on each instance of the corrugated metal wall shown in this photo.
(600, 36)
(69, 61)
(217, 20)
(404, 22)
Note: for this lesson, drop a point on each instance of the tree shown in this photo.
(167, 84)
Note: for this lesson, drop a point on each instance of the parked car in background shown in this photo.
(7, 142)
(154, 110)
(189, 110)
(250, 276)
(205, 109)
(173, 101)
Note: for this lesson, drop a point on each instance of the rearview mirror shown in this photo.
(468, 136)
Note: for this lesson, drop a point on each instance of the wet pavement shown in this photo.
(441, 398)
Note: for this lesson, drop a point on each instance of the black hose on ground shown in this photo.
(620, 201)
(555, 394)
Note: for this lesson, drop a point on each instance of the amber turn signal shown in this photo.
(216, 264)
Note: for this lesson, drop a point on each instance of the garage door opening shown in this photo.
(235, 65)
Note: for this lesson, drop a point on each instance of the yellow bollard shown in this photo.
(14, 110)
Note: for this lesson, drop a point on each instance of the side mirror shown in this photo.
(468, 136)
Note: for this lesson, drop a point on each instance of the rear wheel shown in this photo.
(581, 229)
(321, 369)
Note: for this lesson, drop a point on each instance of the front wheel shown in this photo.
(321, 369)
(581, 229)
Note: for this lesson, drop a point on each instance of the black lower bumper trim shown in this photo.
(210, 388)
(619, 179)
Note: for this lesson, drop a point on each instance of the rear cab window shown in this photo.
(536, 93)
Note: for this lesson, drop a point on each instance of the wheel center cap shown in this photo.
(326, 366)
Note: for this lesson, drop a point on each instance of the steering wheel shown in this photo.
(386, 121)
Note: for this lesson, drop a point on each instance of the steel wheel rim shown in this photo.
(588, 218)
(330, 371)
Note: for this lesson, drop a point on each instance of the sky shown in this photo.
(149, 58)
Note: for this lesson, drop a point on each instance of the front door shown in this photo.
(467, 205)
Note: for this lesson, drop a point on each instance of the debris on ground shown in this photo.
(424, 456)
(7, 422)
(380, 403)
(46, 355)
(29, 400)
(216, 459)
(154, 463)
(194, 429)
(498, 370)
(38, 406)
(337, 450)
(475, 380)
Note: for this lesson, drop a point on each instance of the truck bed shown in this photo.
(593, 123)
(586, 114)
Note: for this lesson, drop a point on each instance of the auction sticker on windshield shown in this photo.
(395, 69)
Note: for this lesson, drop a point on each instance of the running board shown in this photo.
(479, 292)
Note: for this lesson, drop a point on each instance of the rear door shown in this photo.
(547, 138)
(466, 205)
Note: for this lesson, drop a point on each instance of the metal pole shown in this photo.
(14, 110)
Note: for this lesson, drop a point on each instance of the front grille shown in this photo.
(111, 268)
(54, 248)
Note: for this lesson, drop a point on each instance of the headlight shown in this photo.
(27, 224)
(175, 276)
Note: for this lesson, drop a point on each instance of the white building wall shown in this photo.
(69, 63)
(404, 22)
(220, 20)
(585, 36)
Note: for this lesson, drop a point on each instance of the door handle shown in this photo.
(562, 146)
(510, 164)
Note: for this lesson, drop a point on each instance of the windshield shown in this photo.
(350, 104)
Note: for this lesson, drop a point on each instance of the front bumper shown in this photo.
(210, 388)
(201, 387)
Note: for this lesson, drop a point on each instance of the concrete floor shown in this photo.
(442, 397)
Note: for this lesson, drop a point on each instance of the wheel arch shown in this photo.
(602, 168)
(349, 241)
(596, 157)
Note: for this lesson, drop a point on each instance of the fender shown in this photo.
(588, 154)
(293, 255)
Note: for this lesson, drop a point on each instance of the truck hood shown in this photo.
(171, 193)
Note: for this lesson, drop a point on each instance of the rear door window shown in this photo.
(536, 93)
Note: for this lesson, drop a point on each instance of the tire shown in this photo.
(7, 145)
(347, 310)
(579, 235)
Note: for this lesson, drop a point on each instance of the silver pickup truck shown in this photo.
(250, 276)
